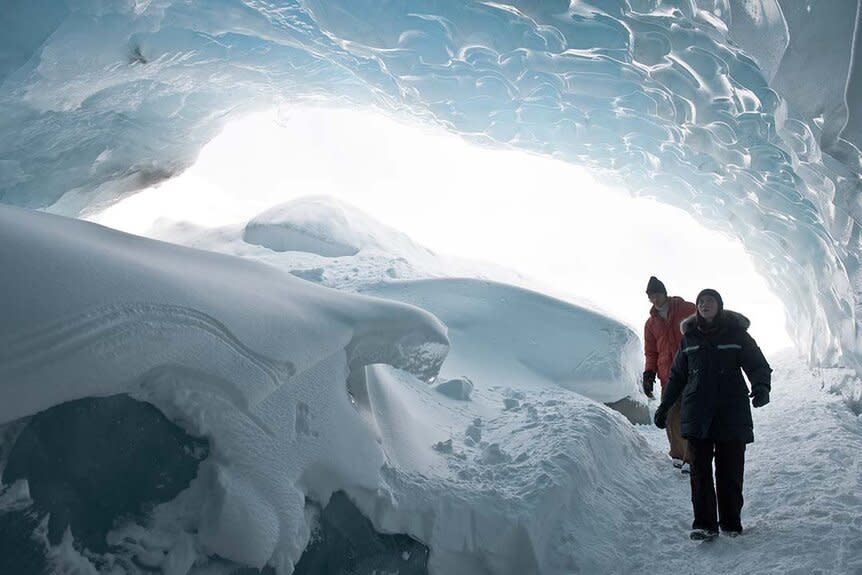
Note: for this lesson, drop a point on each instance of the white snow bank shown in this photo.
(322, 225)
(297, 236)
(509, 336)
(546, 484)
(73, 285)
(249, 356)
(258, 361)
(501, 334)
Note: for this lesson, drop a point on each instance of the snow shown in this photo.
(510, 336)
(457, 388)
(497, 332)
(304, 390)
(97, 312)
(803, 477)
(298, 236)
(317, 226)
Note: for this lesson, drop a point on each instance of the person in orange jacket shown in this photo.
(662, 336)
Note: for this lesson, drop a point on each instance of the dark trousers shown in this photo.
(729, 468)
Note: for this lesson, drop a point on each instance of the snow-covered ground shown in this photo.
(655, 510)
(803, 510)
(480, 430)
(803, 488)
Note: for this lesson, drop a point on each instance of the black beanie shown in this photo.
(655, 286)
(714, 294)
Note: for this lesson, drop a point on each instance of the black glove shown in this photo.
(660, 418)
(649, 382)
(759, 396)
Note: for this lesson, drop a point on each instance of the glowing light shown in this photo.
(548, 219)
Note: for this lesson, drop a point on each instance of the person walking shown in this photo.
(716, 418)
(661, 341)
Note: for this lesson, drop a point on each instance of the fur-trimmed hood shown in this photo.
(731, 319)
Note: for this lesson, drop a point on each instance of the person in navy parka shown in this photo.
(715, 415)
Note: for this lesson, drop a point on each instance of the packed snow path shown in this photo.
(622, 507)
(803, 489)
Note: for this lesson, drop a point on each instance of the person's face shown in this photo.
(707, 306)
(657, 298)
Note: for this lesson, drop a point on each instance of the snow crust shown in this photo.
(320, 226)
(512, 336)
(720, 107)
(498, 332)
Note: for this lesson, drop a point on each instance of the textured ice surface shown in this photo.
(672, 97)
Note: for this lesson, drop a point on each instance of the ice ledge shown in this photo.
(89, 311)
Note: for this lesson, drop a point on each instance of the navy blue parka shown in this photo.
(707, 374)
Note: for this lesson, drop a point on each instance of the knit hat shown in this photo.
(655, 286)
(714, 294)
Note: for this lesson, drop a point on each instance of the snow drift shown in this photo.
(512, 336)
(500, 334)
(258, 366)
(303, 391)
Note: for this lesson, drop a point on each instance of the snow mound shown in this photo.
(458, 388)
(502, 335)
(303, 391)
(322, 226)
(384, 253)
(550, 486)
(259, 367)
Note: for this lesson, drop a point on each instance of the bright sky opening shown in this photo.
(545, 218)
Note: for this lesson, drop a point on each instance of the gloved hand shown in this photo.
(759, 396)
(660, 418)
(649, 382)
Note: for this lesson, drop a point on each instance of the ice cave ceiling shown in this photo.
(743, 112)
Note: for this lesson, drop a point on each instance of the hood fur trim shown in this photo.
(732, 320)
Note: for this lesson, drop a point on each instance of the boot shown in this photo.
(702, 534)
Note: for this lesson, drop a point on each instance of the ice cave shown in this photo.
(311, 390)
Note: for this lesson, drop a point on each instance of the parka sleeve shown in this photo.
(678, 377)
(650, 349)
(754, 363)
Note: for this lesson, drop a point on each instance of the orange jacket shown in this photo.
(662, 336)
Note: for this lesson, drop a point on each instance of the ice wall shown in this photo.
(721, 107)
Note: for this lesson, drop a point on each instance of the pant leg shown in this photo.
(673, 427)
(729, 471)
(700, 452)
